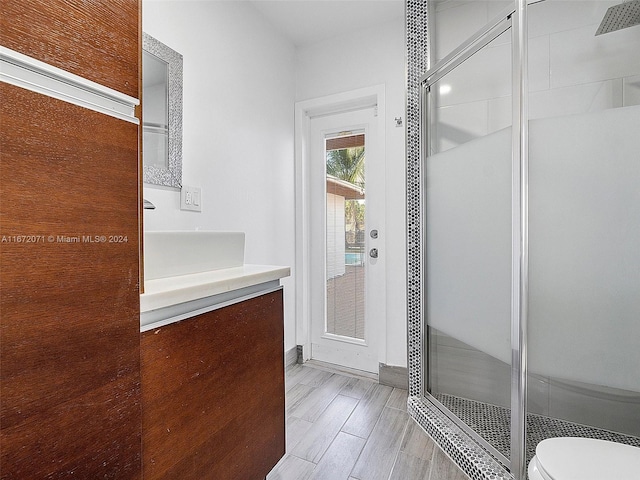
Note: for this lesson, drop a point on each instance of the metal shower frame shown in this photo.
(514, 18)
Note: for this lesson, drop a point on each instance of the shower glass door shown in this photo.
(584, 224)
(468, 224)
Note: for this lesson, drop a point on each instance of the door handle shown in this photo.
(373, 253)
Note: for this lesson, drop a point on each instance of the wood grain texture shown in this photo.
(366, 414)
(315, 403)
(321, 434)
(98, 40)
(69, 327)
(213, 394)
(380, 451)
(330, 454)
(339, 459)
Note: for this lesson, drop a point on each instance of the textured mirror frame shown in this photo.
(153, 174)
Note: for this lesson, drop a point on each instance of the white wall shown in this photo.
(241, 80)
(363, 59)
(238, 130)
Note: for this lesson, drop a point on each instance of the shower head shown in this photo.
(621, 16)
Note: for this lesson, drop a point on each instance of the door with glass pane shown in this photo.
(468, 224)
(346, 239)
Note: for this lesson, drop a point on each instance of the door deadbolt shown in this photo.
(374, 233)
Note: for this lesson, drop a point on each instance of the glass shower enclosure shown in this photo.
(467, 238)
(531, 228)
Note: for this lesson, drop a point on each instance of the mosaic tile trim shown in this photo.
(417, 43)
(493, 423)
(466, 453)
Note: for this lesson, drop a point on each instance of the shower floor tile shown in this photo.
(493, 423)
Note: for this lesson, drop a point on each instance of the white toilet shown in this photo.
(575, 458)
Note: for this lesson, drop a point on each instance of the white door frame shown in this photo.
(304, 111)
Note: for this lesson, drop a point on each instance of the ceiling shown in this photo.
(310, 21)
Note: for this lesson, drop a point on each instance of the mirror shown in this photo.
(161, 113)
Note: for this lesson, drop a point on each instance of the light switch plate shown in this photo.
(191, 198)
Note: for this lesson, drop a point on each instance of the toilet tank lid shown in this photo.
(588, 459)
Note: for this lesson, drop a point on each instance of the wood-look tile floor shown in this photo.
(344, 427)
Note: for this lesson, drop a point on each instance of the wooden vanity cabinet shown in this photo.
(213, 393)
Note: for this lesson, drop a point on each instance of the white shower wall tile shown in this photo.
(538, 394)
(594, 405)
(470, 373)
(631, 91)
(577, 56)
(554, 16)
(460, 124)
(496, 7)
(485, 75)
(457, 23)
(576, 99)
(447, 4)
(539, 64)
(499, 114)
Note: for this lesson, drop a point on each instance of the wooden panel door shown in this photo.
(69, 302)
(97, 40)
(213, 394)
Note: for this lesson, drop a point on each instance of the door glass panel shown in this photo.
(584, 224)
(468, 243)
(345, 231)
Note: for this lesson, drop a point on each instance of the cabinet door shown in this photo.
(213, 394)
(69, 325)
(97, 40)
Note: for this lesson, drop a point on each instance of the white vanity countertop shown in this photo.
(164, 292)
